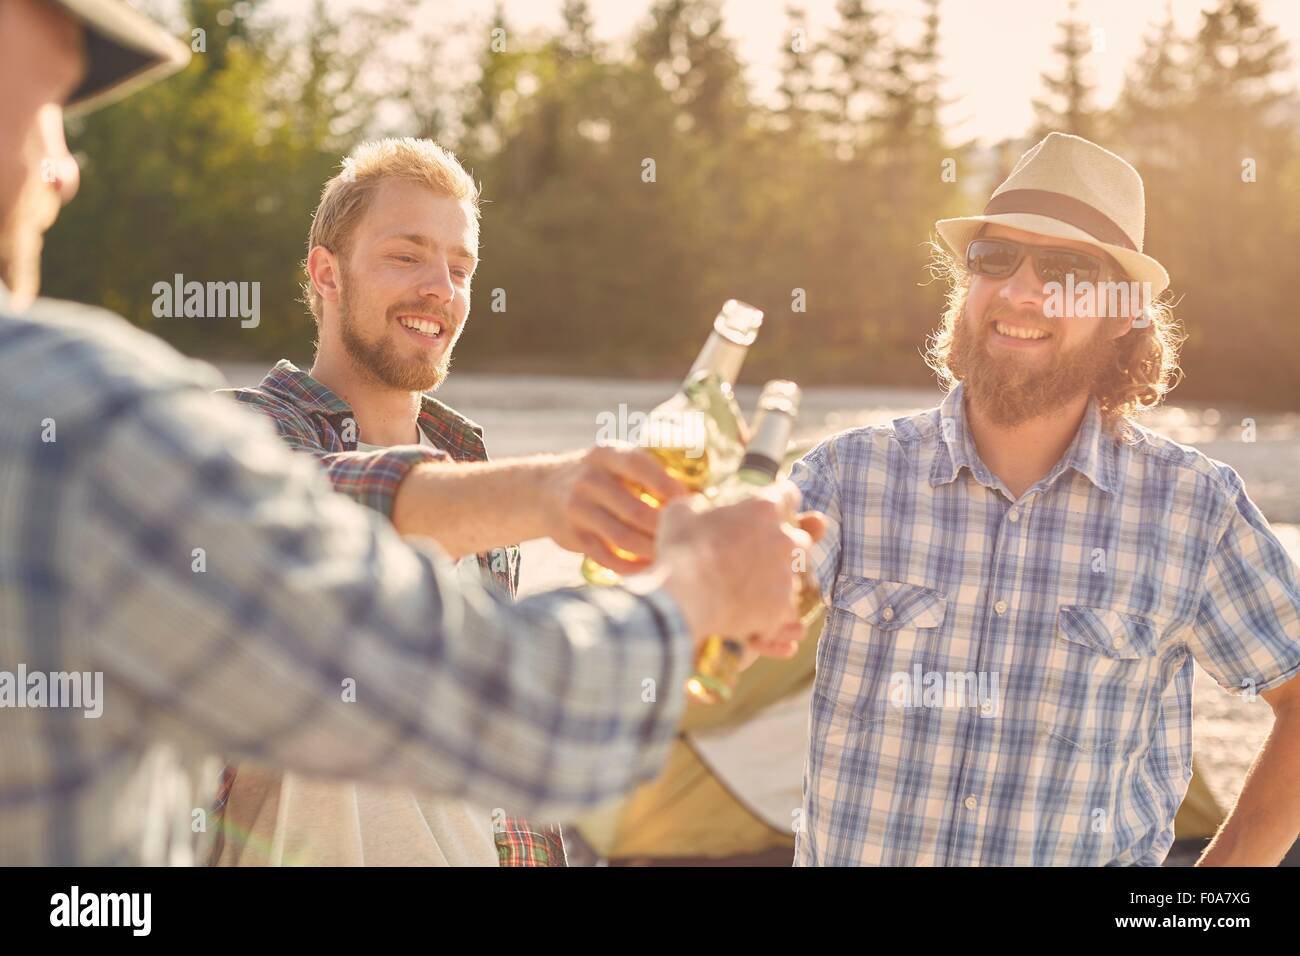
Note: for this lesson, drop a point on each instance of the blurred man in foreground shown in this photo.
(163, 553)
(1005, 673)
(391, 257)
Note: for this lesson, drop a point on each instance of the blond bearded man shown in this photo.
(1020, 580)
(391, 259)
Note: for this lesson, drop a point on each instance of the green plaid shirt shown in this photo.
(313, 419)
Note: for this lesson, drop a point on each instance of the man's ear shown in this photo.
(322, 267)
(1122, 325)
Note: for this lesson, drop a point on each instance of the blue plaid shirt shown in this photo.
(1008, 681)
(167, 540)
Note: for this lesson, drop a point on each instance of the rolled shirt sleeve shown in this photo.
(1246, 633)
(371, 478)
(817, 479)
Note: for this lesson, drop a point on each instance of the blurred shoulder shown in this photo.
(78, 360)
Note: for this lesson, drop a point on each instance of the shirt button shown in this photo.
(1117, 643)
(1013, 515)
(887, 614)
(971, 803)
(1000, 607)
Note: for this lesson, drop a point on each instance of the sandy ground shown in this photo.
(522, 414)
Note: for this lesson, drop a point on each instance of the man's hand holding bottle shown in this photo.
(731, 569)
(596, 504)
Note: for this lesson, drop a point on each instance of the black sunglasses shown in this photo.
(1000, 258)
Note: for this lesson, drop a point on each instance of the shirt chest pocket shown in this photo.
(1110, 634)
(890, 605)
(875, 629)
(1099, 679)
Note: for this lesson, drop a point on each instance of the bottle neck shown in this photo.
(757, 470)
(767, 447)
(722, 357)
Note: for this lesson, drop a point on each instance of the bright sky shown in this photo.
(993, 50)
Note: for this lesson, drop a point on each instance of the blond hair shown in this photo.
(1146, 357)
(348, 195)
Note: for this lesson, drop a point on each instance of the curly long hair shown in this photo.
(1146, 357)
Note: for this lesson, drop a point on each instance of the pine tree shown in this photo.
(853, 48)
(928, 77)
(576, 41)
(485, 118)
(1242, 136)
(911, 94)
(796, 87)
(715, 90)
(1238, 57)
(1148, 117)
(908, 127)
(661, 39)
(225, 28)
(685, 46)
(908, 153)
(1068, 107)
(1150, 126)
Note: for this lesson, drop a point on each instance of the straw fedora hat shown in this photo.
(1070, 188)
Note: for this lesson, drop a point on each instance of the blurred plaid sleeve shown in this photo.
(303, 590)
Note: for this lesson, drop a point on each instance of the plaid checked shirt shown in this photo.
(167, 540)
(312, 418)
(1008, 681)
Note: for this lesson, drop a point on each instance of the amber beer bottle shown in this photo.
(698, 434)
(717, 666)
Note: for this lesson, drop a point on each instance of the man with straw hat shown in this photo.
(1019, 580)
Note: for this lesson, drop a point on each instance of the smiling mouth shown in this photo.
(427, 326)
(1020, 331)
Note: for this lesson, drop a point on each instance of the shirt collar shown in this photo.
(292, 383)
(1091, 454)
(956, 448)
